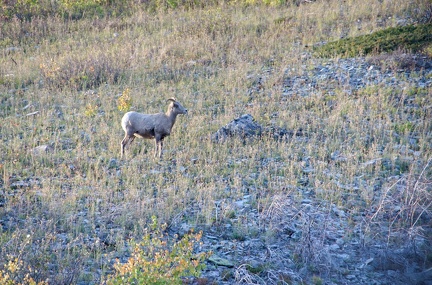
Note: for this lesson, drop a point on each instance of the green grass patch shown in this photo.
(411, 38)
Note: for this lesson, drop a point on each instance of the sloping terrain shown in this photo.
(332, 187)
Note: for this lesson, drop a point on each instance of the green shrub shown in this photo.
(156, 260)
(124, 102)
(404, 128)
(12, 269)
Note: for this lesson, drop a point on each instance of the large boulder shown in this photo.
(245, 127)
(242, 127)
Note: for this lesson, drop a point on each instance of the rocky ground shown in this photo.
(294, 242)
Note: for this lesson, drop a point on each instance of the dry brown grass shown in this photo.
(69, 212)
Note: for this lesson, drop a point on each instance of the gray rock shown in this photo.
(334, 247)
(220, 261)
(113, 163)
(340, 242)
(350, 277)
(243, 127)
(42, 149)
(19, 185)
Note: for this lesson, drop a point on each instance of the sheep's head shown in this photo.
(176, 107)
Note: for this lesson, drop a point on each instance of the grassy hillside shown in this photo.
(68, 211)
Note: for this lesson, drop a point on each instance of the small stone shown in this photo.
(340, 242)
(42, 149)
(184, 229)
(19, 185)
(220, 261)
(397, 208)
(212, 274)
(338, 212)
(308, 170)
(344, 256)
(112, 163)
(334, 247)
(12, 49)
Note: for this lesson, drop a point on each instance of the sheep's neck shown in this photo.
(172, 116)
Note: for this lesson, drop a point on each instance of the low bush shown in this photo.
(79, 72)
(157, 260)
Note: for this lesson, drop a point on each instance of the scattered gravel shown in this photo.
(352, 74)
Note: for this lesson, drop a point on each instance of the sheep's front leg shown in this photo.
(158, 147)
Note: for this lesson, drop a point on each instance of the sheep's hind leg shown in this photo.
(127, 140)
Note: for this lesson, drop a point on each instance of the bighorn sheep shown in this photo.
(149, 126)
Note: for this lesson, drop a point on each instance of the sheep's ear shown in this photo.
(172, 99)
